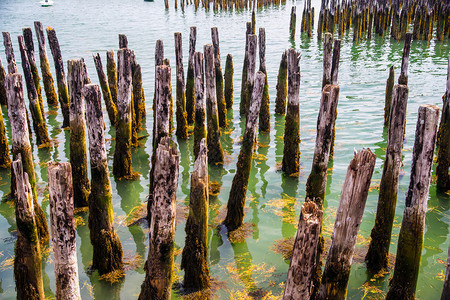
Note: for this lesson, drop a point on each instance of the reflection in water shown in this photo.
(289, 185)
(279, 131)
(243, 259)
(185, 160)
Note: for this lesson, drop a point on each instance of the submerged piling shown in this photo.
(107, 98)
(443, 161)
(264, 112)
(200, 117)
(238, 191)
(410, 240)
(181, 114)
(221, 105)
(446, 289)
(280, 101)
(229, 72)
(190, 81)
(107, 256)
(388, 97)
(62, 221)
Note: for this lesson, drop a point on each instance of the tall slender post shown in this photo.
(229, 72)
(101, 215)
(5, 160)
(410, 240)
(243, 105)
(443, 177)
(200, 117)
(292, 23)
(63, 93)
(181, 96)
(107, 97)
(327, 58)
(3, 100)
(403, 78)
(138, 102)
(111, 71)
(221, 105)
(236, 200)
(190, 81)
(9, 51)
(446, 289)
(388, 96)
(60, 188)
(264, 112)
(280, 101)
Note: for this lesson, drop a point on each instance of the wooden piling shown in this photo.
(5, 160)
(317, 180)
(410, 240)
(229, 72)
(138, 99)
(3, 100)
(123, 41)
(37, 112)
(47, 78)
(63, 93)
(107, 247)
(194, 260)
(348, 220)
(291, 150)
(122, 155)
(443, 161)
(190, 81)
(107, 98)
(388, 97)
(280, 101)
(9, 51)
(264, 112)
(292, 23)
(159, 58)
(221, 105)
(378, 254)
(62, 222)
(21, 145)
(301, 268)
(243, 104)
(446, 289)
(111, 71)
(327, 58)
(215, 151)
(403, 78)
(200, 117)
(181, 114)
(250, 72)
(78, 156)
(238, 191)
(29, 47)
(27, 259)
(159, 264)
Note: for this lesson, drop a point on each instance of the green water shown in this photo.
(86, 27)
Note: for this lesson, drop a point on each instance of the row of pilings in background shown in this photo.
(203, 101)
(382, 17)
(225, 5)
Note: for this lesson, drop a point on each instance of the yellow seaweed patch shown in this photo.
(113, 277)
(132, 262)
(284, 207)
(242, 233)
(7, 264)
(214, 188)
(283, 247)
(372, 292)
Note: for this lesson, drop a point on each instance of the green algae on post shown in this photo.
(221, 105)
(5, 160)
(190, 81)
(3, 100)
(388, 96)
(264, 112)
(443, 178)
(250, 72)
(243, 104)
(200, 117)
(138, 101)
(280, 101)
(229, 72)
(110, 105)
(111, 71)
(181, 115)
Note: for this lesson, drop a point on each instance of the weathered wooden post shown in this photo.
(291, 150)
(200, 117)
(101, 216)
(303, 261)
(5, 160)
(378, 253)
(60, 188)
(78, 156)
(122, 155)
(251, 69)
(138, 103)
(264, 112)
(327, 57)
(346, 227)
(181, 114)
(446, 289)
(63, 93)
(159, 264)
(292, 23)
(236, 200)
(242, 105)
(190, 81)
(280, 101)
(159, 57)
(3, 100)
(410, 240)
(9, 51)
(229, 72)
(47, 78)
(29, 47)
(388, 97)
(443, 162)
(335, 61)
(123, 41)
(110, 105)
(221, 105)
(215, 151)
(194, 260)
(37, 112)
(27, 260)
(21, 145)
(403, 78)
(111, 71)
(317, 180)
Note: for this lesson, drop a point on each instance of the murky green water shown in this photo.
(86, 27)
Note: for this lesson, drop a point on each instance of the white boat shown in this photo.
(46, 3)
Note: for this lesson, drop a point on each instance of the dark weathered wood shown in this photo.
(446, 289)
(229, 72)
(111, 71)
(348, 220)
(195, 252)
(181, 114)
(63, 92)
(159, 57)
(78, 155)
(215, 151)
(21, 145)
(301, 268)
(159, 264)
(243, 105)
(190, 91)
(388, 96)
(122, 155)
(264, 112)
(62, 222)
(138, 99)
(107, 256)
(3, 100)
(403, 78)
(5, 160)
(9, 51)
(200, 110)
(47, 78)
(378, 253)
(110, 105)
(238, 191)
(291, 150)
(327, 59)
(317, 180)
(410, 240)
(123, 41)
(292, 23)
(335, 62)
(37, 113)
(251, 69)
(27, 260)
(443, 161)
(220, 96)
(280, 101)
